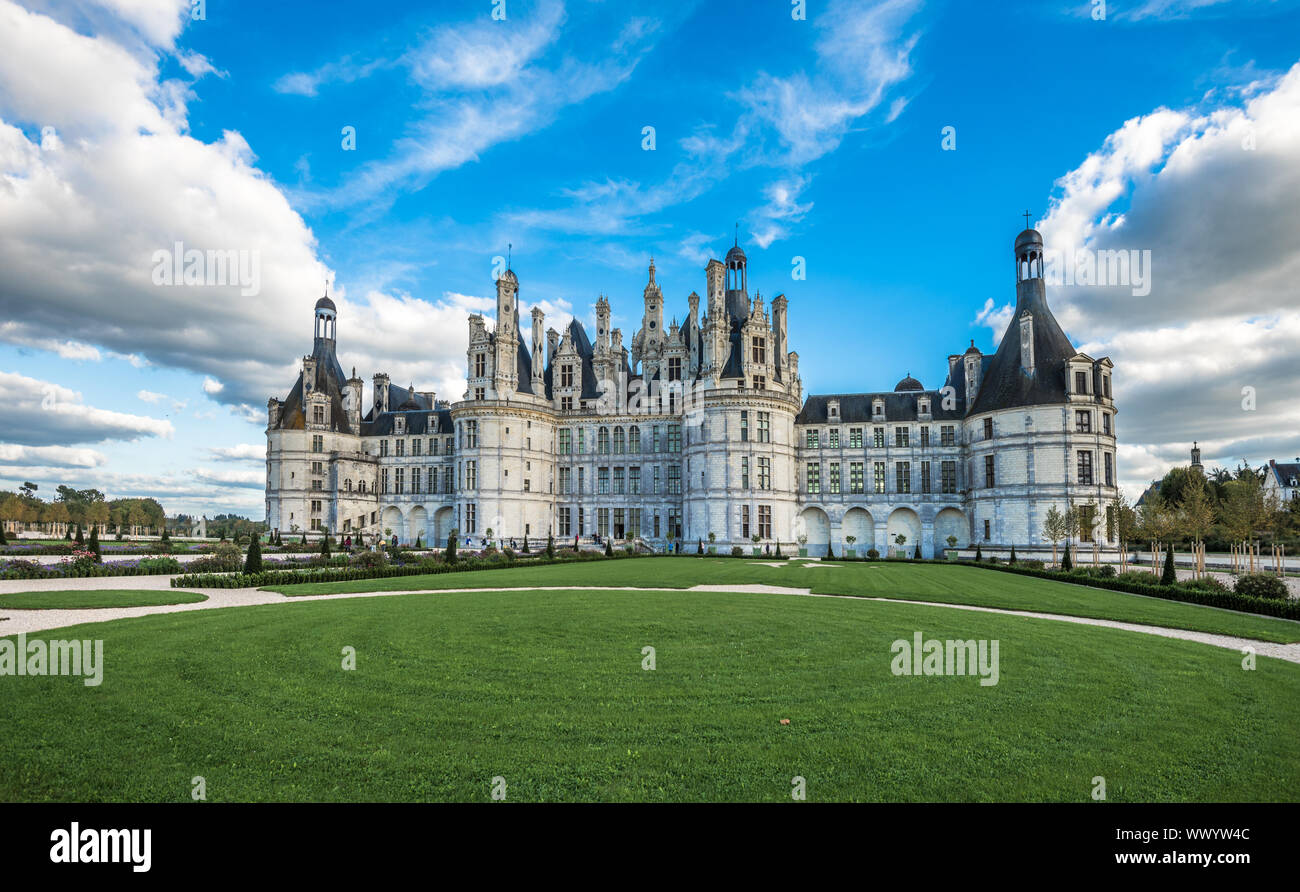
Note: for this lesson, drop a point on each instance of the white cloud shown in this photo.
(241, 452)
(40, 413)
(56, 456)
(148, 396)
(212, 386)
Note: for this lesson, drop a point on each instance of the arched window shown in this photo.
(602, 441)
(634, 439)
(619, 441)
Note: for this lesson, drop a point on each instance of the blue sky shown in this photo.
(820, 138)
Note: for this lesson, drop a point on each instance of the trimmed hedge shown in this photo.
(352, 574)
(1284, 609)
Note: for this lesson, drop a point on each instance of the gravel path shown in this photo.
(29, 621)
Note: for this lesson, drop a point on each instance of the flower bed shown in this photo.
(425, 567)
(1191, 593)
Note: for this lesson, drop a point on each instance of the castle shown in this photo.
(699, 431)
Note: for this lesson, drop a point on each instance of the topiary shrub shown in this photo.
(873, 554)
(916, 555)
(253, 562)
(94, 544)
(609, 548)
(1169, 576)
(737, 551)
(1066, 564)
(1106, 571)
(1012, 559)
(1138, 577)
(550, 545)
(4, 541)
(979, 553)
(369, 560)
(160, 565)
(1205, 584)
(1261, 585)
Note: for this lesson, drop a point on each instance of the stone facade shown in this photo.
(697, 429)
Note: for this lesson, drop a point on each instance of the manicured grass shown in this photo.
(91, 598)
(547, 691)
(884, 579)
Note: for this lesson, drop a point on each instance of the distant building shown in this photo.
(700, 428)
(1283, 480)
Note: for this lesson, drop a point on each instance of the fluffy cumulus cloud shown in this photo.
(40, 413)
(1209, 353)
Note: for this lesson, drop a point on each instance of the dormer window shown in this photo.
(923, 407)
(1081, 382)
(878, 408)
(399, 425)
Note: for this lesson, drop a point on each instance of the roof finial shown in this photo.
(737, 233)
(1027, 226)
(327, 286)
(510, 249)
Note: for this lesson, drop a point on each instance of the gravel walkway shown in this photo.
(28, 621)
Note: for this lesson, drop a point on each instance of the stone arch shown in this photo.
(950, 522)
(816, 525)
(419, 525)
(906, 522)
(859, 523)
(392, 523)
(444, 519)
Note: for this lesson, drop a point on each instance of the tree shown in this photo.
(550, 545)
(979, 554)
(609, 547)
(1066, 563)
(1244, 510)
(916, 554)
(699, 546)
(1169, 577)
(3, 540)
(1195, 511)
(80, 538)
(1122, 520)
(325, 545)
(253, 563)
(1013, 555)
(450, 556)
(1054, 529)
(94, 545)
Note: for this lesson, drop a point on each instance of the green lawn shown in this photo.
(547, 691)
(912, 582)
(92, 598)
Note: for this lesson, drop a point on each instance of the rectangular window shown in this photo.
(948, 476)
(566, 528)
(1080, 382)
(1110, 469)
(765, 473)
(674, 368)
(1085, 467)
(566, 375)
(744, 426)
(566, 441)
(855, 438)
(765, 521)
(415, 446)
(833, 435)
(878, 437)
(674, 438)
(1105, 383)
(744, 521)
(634, 481)
(415, 480)
(602, 521)
(744, 472)
(990, 479)
(602, 480)
(878, 476)
(947, 435)
(654, 438)
(401, 448)
(471, 475)
(618, 482)
(760, 351)
(986, 530)
(833, 478)
(1083, 422)
(988, 428)
(903, 476)
(317, 443)
(400, 481)
(318, 414)
(383, 480)
(1105, 423)
(925, 436)
(902, 436)
(566, 480)
(566, 404)
(471, 434)
(855, 477)
(620, 523)
(658, 484)
(582, 441)
(814, 439)
(925, 476)
(814, 478)
(675, 479)
(480, 365)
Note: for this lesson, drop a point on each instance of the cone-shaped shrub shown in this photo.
(253, 563)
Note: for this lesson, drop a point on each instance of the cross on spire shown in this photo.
(1027, 226)
(737, 234)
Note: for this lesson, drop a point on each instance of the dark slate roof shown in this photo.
(418, 423)
(326, 303)
(855, 408)
(908, 383)
(1285, 471)
(1005, 384)
(330, 379)
(523, 368)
